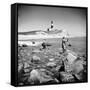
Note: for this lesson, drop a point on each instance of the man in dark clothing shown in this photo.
(43, 45)
(64, 44)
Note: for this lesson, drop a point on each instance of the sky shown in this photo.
(73, 20)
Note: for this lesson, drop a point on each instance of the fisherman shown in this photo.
(64, 44)
(43, 45)
(52, 25)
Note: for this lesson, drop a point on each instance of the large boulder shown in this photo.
(34, 77)
(78, 66)
(39, 77)
(74, 64)
(69, 61)
(71, 58)
(66, 77)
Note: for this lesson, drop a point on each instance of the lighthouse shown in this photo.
(52, 25)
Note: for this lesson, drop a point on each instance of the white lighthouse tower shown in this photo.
(52, 25)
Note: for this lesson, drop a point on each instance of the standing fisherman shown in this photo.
(43, 45)
(64, 41)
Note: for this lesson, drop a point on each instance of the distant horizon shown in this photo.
(52, 38)
(30, 37)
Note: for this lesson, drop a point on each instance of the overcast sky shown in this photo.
(38, 18)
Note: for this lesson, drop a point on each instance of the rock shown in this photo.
(34, 77)
(26, 70)
(36, 51)
(26, 65)
(60, 50)
(39, 77)
(20, 66)
(57, 54)
(71, 58)
(51, 64)
(66, 77)
(67, 66)
(35, 58)
(69, 61)
(81, 76)
(78, 66)
(51, 59)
